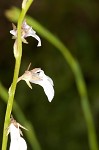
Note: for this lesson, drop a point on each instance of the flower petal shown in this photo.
(46, 82)
(37, 38)
(48, 89)
(17, 142)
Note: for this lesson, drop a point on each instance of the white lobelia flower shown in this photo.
(37, 76)
(17, 142)
(26, 31)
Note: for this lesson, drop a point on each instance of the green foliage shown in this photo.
(61, 124)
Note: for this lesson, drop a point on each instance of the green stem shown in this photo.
(16, 73)
(73, 63)
(31, 136)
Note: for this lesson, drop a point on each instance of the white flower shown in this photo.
(37, 76)
(17, 142)
(44, 81)
(26, 31)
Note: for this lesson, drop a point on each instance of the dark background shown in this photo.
(58, 125)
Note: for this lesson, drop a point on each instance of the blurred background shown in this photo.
(59, 124)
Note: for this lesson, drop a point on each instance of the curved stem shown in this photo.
(81, 86)
(15, 77)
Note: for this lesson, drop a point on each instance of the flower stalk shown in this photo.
(16, 73)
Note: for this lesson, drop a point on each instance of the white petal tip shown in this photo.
(38, 45)
(50, 98)
(39, 40)
(49, 91)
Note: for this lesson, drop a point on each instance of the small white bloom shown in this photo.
(26, 31)
(17, 142)
(37, 76)
(44, 81)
